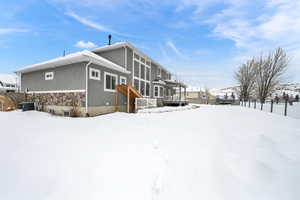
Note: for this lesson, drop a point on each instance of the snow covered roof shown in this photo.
(83, 56)
(195, 89)
(159, 82)
(8, 78)
(126, 44)
(175, 83)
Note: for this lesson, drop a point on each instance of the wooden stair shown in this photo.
(6, 103)
(131, 93)
(124, 89)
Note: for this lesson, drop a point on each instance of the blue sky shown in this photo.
(202, 41)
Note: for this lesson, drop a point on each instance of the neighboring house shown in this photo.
(90, 79)
(199, 96)
(195, 93)
(8, 83)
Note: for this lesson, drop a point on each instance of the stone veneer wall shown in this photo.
(58, 99)
(58, 103)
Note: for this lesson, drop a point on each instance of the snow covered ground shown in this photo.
(292, 110)
(211, 153)
(168, 109)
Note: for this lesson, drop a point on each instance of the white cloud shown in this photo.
(198, 5)
(90, 23)
(275, 26)
(85, 45)
(259, 26)
(90, 3)
(95, 25)
(173, 47)
(4, 31)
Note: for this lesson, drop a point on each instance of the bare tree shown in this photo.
(269, 72)
(207, 95)
(245, 76)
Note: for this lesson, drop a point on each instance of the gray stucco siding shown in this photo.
(130, 64)
(97, 96)
(69, 77)
(116, 55)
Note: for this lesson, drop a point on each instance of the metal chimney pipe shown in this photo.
(109, 39)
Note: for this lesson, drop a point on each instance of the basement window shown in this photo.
(94, 74)
(49, 75)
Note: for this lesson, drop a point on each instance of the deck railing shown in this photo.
(174, 98)
(143, 103)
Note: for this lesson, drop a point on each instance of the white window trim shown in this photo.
(110, 74)
(156, 86)
(123, 78)
(160, 88)
(49, 78)
(95, 70)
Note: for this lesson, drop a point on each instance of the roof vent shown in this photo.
(109, 39)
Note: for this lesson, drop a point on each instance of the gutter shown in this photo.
(87, 86)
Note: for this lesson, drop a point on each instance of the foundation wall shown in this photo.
(65, 103)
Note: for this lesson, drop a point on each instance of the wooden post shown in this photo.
(272, 102)
(116, 99)
(179, 95)
(128, 100)
(254, 103)
(261, 106)
(249, 103)
(285, 107)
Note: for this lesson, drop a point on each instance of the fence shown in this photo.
(287, 108)
(143, 103)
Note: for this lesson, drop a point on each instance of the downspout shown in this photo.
(87, 86)
(126, 66)
(20, 81)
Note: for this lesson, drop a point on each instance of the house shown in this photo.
(91, 80)
(8, 83)
(198, 95)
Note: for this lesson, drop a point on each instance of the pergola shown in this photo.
(177, 85)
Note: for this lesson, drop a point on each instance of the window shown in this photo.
(156, 91)
(110, 82)
(49, 75)
(136, 56)
(142, 71)
(159, 72)
(123, 80)
(141, 74)
(143, 92)
(136, 69)
(147, 89)
(137, 84)
(147, 74)
(161, 91)
(94, 74)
